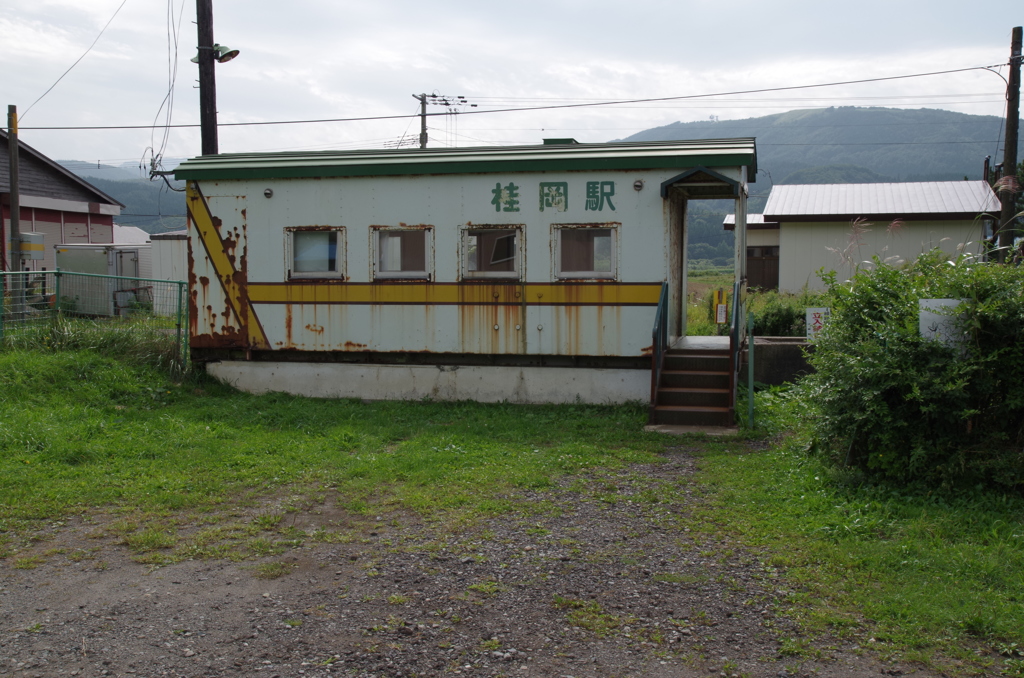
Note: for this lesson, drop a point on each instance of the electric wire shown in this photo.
(478, 111)
(173, 32)
(76, 61)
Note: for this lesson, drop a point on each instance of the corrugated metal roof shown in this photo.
(947, 199)
(647, 155)
(754, 222)
(730, 219)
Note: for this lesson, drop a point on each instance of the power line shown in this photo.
(77, 60)
(537, 108)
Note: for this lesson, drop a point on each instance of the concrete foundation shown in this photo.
(778, 360)
(438, 382)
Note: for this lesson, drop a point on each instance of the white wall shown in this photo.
(766, 237)
(438, 382)
(804, 247)
(613, 326)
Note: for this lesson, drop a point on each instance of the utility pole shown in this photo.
(17, 281)
(422, 98)
(1007, 197)
(207, 78)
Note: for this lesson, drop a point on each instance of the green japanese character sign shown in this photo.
(599, 193)
(554, 195)
(505, 198)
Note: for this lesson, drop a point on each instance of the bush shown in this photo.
(779, 315)
(913, 410)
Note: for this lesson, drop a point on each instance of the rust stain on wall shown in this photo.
(289, 341)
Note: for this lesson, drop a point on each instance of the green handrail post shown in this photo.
(56, 290)
(181, 343)
(750, 369)
(3, 308)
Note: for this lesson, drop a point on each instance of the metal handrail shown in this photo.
(736, 336)
(659, 343)
(58, 272)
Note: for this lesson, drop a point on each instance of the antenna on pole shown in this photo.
(453, 104)
(422, 98)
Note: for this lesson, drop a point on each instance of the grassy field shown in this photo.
(83, 430)
(935, 579)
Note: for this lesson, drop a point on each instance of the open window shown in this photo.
(316, 252)
(402, 253)
(492, 252)
(584, 251)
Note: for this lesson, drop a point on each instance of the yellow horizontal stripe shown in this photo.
(590, 294)
(32, 247)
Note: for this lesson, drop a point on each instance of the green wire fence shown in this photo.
(32, 302)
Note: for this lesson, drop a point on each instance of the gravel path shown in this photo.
(600, 575)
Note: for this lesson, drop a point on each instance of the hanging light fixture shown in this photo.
(221, 53)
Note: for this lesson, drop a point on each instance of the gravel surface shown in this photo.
(599, 575)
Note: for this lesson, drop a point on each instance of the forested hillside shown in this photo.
(901, 145)
(150, 205)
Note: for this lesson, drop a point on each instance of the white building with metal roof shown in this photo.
(530, 274)
(837, 227)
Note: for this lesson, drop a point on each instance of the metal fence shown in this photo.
(34, 300)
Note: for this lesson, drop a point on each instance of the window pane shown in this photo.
(586, 250)
(403, 251)
(315, 251)
(490, 251)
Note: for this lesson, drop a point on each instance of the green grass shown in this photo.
(83, 430)
(933, 579)
(589, 615)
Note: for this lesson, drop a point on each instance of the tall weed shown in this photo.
(135, 340)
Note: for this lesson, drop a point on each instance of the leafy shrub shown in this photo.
(913, 410)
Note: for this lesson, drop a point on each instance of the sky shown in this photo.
(327, 59)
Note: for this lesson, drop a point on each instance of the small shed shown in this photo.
(530, 274)
(55, 202)
(837, 227)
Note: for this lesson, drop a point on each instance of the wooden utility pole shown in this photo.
(15, 194)
(207, 77)
(17, 281)
(1009, 198)
(422, 98)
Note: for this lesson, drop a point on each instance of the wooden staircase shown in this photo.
(695, 388)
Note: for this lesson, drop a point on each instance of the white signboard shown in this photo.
(936, 320)
(816, 318)
(721, 313)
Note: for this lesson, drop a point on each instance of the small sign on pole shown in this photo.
(721, 308)
(816, 318)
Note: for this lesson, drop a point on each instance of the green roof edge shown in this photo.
(467, 167)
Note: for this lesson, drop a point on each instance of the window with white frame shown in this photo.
(492, 252)
(316, 252)
(402, 253)
(583, 251)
